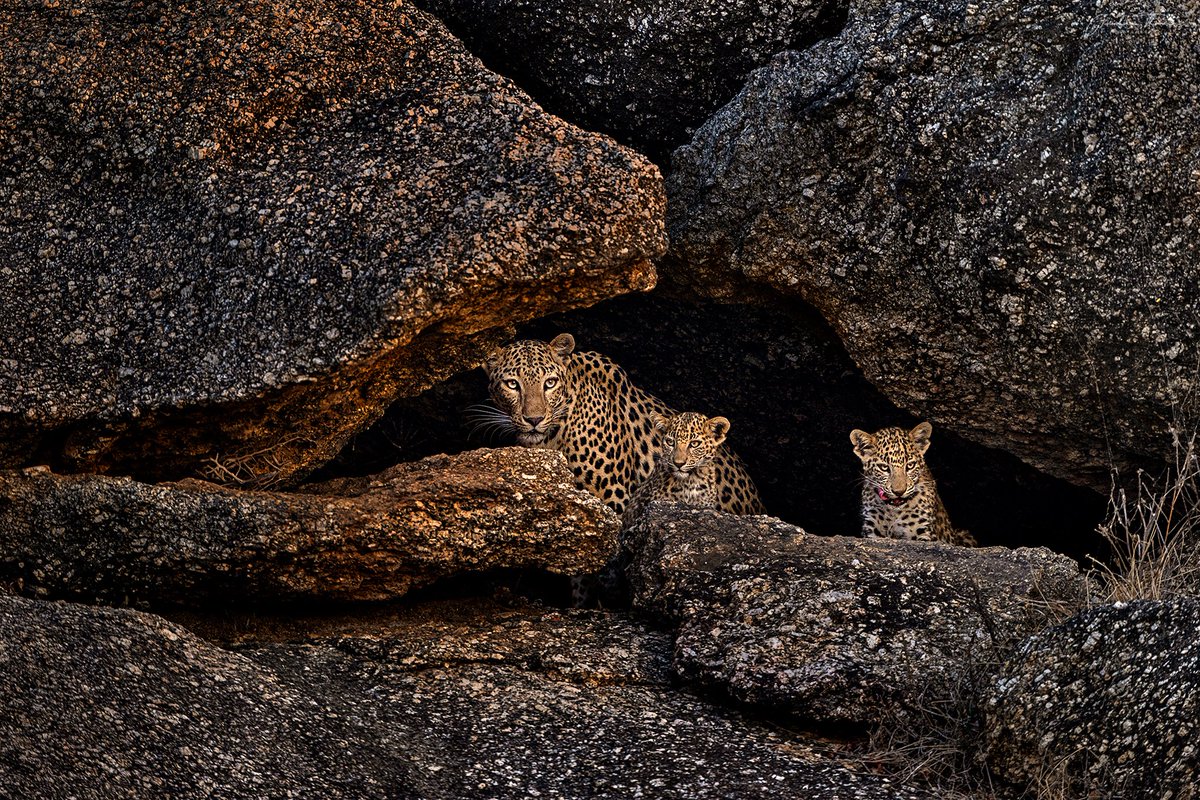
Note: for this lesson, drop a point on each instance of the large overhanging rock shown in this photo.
(645, 71)
(995, 205)
(194, 543)
(830, 628)
(239, 229)
(125, 704)
(1104, 705)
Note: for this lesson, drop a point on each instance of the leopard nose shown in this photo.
(679, 462)
(534, 421)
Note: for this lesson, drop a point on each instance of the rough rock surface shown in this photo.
(833, 629)
(242, 228)
(101, 703)
(105, 703)
(193, 543)
(1106, 704)
(644, 71)
(995, 205)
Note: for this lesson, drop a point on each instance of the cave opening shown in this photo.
(792, 394)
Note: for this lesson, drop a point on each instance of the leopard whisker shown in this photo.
(491, 436)
(483, 411)
(490, 426)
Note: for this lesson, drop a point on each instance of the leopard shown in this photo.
(900, 498)
(584, 405)
(686, 471)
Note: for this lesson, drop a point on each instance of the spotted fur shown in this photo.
(899, 496)
(686, 470)
(584, 405)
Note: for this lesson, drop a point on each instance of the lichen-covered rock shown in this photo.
(995, 205)
(240, 229)
(1105, 705)
(193, 543)
(833, 628)
(101, 703)
(644, 71)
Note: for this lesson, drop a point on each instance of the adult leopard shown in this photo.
(585, 405)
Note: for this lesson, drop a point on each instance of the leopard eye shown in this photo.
(512, 384)
(551, 383)
(694, 443)
(670, 440)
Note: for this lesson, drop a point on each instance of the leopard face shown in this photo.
(893, 460)
(689, 440)
(530, 383)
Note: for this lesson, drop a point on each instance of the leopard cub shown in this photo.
(688, 470)
(899, 496)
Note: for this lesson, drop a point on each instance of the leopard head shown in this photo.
(893, 460)
(530, 384)
(689, 440)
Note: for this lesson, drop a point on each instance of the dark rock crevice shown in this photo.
(793, 395)
(274, 439)
(646, 72)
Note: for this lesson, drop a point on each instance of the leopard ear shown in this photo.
(920, 435)
(864, 443)
(563, 345)
(493, 358)
(659, 421)
(719, 427)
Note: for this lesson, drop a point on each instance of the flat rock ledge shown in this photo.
(1105, 705)
(834, 629)
(459, 706)
(193, 543)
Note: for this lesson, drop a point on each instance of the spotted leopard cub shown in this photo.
(687, 469)
(899, 496)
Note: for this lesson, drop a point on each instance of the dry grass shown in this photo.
(260, 469)
(937, 739)
(1153, 531)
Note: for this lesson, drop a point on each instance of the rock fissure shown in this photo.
(647, 66)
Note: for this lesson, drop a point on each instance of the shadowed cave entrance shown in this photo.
(792, 394)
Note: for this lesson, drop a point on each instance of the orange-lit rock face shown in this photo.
(240, 230)
(100, 538)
